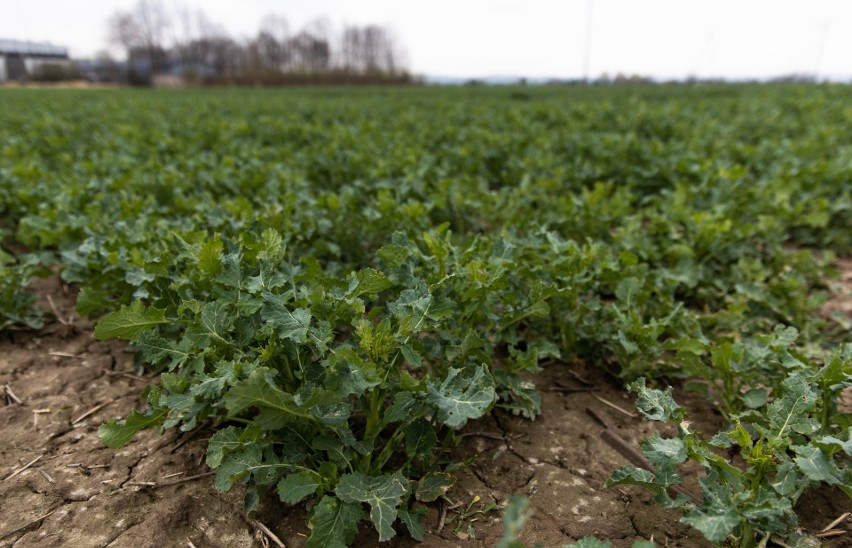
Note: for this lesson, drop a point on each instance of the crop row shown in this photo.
(339, 282)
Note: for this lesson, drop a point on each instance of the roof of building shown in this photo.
(36, 49)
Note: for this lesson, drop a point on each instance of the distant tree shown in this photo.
(156, 39)
(369, 49)
(195, 31)
(310, 53)
(350, 49)
(142, 32)
(274, 37)
(106, 68)
(321, 50)
(268, 51)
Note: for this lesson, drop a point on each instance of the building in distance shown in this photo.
(21, 61)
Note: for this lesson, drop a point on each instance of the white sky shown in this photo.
(535, 38)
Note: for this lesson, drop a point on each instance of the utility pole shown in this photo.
(587, 61)
(826, 27)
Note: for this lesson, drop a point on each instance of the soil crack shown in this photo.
(132, 469)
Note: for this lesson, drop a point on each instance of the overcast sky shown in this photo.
(535, 38)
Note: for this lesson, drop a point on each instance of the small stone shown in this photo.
(80, 495)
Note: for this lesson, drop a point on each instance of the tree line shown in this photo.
(165, 42)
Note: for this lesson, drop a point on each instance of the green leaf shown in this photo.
(157, 349)
(136, 276)
(790, 413)
(832, 445)
(268, 278)
(718, 515)
(409, 383)
(837, 371)
(237, 465)
(383, 494)
(251, 500)
(755, 398)
(784, 337)
(349, 374)
(413, 521)
(433, 485)
(210, 256)
(129, 321)
(221, 443)
(213, 323)
(270, 247)
(786, 479)
(654, 404)
(292, 325)
(842, 420)
(393, 255)
(231, 271)
(116, 433)
(688, 345)
(405, 406)
(816, 465)
(627, 290)
(631, 475)
(420, 438)
(768, 510)
(518, 395)
(461, 397)
(376, 340)
(370, 282)
(411, 309)
(334, 524)
(441, 308)
(295, 487)
(411, 355)
(91, 300)
(258, 390)
(174, 384)
(715, 525)
(515, 515)
(664, 453)
(471, 342)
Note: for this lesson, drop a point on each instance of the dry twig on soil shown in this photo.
(56, 312)
(443, 519)
(127, 375)
(617, 408)
(831, 534)
(65, 355)
(269, 534)
(27, 525)
(157, 485)
(10, 396)
(36, 413)
(92, 411)
(489, 435)
(836, 522)
(24, 467)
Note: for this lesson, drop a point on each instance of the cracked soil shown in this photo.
(79, 493)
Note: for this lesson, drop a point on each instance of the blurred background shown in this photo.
(267, 42)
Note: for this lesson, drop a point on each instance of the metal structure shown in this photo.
(20, 60)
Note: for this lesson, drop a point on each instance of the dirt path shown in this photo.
(79, 493)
